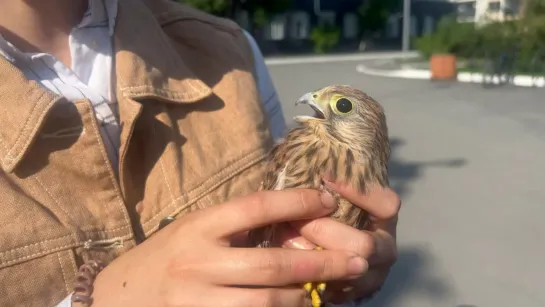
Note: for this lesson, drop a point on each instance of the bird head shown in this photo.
(345, 113)
(351, 128)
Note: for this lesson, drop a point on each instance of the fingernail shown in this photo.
(357, 266)
(328, 200)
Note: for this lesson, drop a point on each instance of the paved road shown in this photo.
(469, 165)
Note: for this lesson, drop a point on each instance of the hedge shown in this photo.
(524, 38)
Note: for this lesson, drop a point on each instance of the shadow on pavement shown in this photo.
(402, 172)
(414, 272)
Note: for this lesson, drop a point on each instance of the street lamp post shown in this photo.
(406, 26)
(317, 7)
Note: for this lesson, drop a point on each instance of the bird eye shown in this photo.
(344, 105)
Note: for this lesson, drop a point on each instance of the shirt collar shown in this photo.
(98, 13)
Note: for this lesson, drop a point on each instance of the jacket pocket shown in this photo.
(43, 281)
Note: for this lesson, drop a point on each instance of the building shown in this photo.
(425, 14)
(483, 11)
(290, 31)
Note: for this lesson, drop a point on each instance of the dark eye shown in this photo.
(344, 105)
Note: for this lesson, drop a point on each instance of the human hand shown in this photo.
(191, 261)
(377, 244)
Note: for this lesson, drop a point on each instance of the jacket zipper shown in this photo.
(104, 244)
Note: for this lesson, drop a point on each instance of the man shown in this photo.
(118, 118)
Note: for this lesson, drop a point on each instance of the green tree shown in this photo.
(325, 37)
(522, 35)
(373, 15)
(533, 8)
(263, 10)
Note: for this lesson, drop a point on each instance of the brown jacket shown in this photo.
(194, 134)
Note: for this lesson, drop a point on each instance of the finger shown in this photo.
(264, 208)
(280, 266)
(240, 297)
(334, 235)
(378, 247)
(239, 239)
(288, 237)
(382, 203)
(385, 249)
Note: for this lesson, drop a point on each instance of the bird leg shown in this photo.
(315, 292)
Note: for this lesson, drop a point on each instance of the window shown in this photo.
(350, 25)
(494, 6)
(512, 7)
(428, 25)
(243, 19)
(392, 27)
(414, 26)
(466, 9)
(276, 28)
(327, 18)
(300, 25)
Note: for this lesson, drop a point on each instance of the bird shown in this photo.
(347, 141)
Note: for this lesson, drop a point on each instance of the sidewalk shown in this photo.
(397, 68)
(311, 59)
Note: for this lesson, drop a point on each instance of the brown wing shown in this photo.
(275, 172)
(299, 162)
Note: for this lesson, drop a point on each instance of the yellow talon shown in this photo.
(315, 298)
(315, 293)
(308, 287)
(321, 287)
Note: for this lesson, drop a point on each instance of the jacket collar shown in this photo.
(149, 68)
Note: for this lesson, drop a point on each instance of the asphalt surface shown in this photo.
(469, 166)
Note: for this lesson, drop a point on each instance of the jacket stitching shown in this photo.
(63, 273)
(7, 263)
(43, 252)
(112, 179)
(74, 268)
(161, 164)
(150, 90)
(228, 171)
(53, 198)
(26, 126)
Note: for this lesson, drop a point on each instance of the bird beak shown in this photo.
(309, 100)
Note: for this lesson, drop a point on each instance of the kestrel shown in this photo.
(347, 139)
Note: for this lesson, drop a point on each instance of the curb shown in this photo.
(466, 77)
(290, 60)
